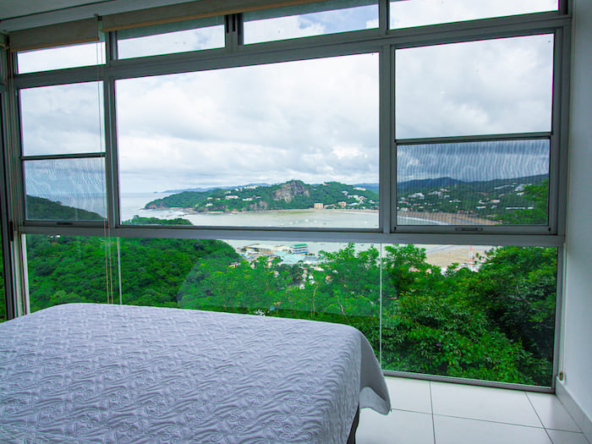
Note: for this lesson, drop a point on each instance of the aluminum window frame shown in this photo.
(307, 48)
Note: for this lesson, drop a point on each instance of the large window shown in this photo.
(291, 144)
(312, 161)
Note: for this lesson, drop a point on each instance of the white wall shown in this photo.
(577, 355)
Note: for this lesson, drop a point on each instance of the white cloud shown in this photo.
(281, 28)
(62, 119)
(172, 42)
(61, 57)
(428, 12)
(270, 123)
(487, 87)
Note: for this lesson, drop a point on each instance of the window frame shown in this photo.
(382, 40)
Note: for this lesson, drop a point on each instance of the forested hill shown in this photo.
(293, 194)
(492, 199)
(39, 208)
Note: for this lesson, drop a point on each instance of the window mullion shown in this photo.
(233, 32)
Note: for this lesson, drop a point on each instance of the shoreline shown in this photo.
(438, 218)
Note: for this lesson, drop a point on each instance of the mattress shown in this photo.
(92, 373)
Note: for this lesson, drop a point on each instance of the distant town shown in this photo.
(487, 200)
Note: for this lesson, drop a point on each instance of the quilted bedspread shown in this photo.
(90, 373)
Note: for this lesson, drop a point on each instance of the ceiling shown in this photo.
(18, 8)
(23, 14)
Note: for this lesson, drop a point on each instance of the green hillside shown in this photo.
(291, 195)
(39, 208)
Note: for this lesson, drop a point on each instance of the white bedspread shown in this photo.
(89, 373)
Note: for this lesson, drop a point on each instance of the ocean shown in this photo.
(441, 255)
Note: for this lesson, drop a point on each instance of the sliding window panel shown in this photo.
(283, 145)
(70, 269)
(194, 35)
(65, 189)
(322, 18)
(472, 312)
(73, 56)
(473, 183)
(487, 87)
(63, 119)
(412, 13)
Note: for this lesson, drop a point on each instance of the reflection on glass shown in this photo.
(62, 119)
(477, 183)
(292, 144)
(488, 87)
(87, 54)
(65, 189)
(70, 269)
(171, 38)
(308, 20)
(410, 13)
(463, 311)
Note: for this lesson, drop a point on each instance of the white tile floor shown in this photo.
(426, 412)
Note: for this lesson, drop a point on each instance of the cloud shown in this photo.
(266, 123)
(306, 25)
(62, 57)
(172, 42)
(63, 119)
(487, 87)
(428, 12)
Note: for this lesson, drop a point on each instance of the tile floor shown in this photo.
(426, 412)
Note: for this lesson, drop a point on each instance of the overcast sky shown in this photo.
(311, 120)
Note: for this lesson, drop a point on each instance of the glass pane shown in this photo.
(410, 13)
(470, 312)
(70, 269)
(477, 183)
(65, 189)
(62, 119)
(171, 38)
(73, 56)
(308, 20)
(464, 311)
(489, 87)
(292, 144)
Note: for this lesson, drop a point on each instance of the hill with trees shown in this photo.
(494, 200)
(39, 208)
(290, 195)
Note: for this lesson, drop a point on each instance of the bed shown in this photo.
(92, 373)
